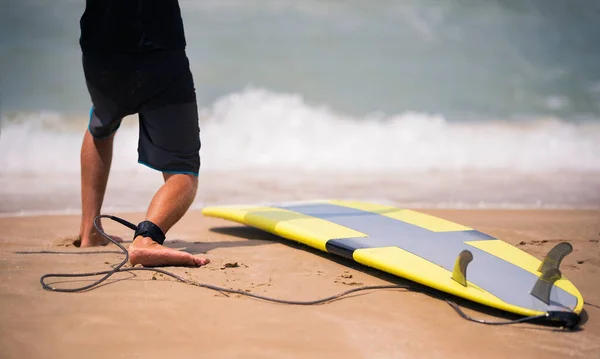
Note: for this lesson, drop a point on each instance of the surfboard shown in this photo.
(425, 249)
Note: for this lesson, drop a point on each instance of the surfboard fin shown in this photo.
(459, 273)
(555, 256)
(543, 286)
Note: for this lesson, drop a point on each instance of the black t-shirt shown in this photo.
(131, 26)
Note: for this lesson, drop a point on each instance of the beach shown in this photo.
(487, 115)
(142, 314)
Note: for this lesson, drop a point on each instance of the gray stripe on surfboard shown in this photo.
(503, 279)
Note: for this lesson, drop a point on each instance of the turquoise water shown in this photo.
(454, 87)
(465, 59)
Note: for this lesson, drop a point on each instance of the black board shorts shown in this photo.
(159, 87)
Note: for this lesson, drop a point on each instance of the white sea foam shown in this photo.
(256, 128)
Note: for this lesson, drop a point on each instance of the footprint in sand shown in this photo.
(71, 241)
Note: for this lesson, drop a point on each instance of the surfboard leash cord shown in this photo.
(567, 320)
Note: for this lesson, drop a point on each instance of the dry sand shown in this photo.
(135, 316)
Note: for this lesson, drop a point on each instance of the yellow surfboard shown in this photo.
(422, 248)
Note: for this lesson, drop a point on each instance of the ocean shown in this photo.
(454, 103)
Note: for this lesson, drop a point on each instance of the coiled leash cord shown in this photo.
(551, 316)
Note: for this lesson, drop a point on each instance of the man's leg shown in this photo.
(169, 204)
(96, 158)
(169, 142)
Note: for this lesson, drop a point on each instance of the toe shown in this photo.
(201, 261)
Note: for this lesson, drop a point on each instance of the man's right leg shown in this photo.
(169, 204)
(169, 142)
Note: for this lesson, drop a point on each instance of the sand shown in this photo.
(146, 315)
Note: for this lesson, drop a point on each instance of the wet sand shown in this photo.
(142, 314)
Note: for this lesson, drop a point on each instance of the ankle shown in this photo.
(86, 232)
(141, 242)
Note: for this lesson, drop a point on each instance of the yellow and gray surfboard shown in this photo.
(422, 248)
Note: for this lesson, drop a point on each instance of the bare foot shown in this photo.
(148, 253)
(95, 239)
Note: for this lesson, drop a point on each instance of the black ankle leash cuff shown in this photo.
(149, 229)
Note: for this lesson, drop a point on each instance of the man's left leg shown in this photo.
(96, 158)
(97, 146)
